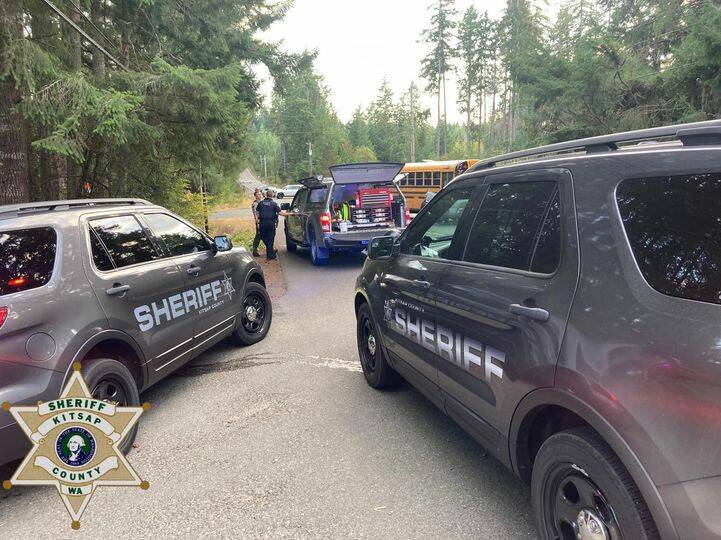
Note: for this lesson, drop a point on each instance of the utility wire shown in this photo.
(84, 34)
(81, 12)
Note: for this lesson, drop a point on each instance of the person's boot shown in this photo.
(256, 254)
(273, 255)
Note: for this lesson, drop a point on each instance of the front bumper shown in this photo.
(22, 385)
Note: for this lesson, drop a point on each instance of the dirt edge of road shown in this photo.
(274, 277)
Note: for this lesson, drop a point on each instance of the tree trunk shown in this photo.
(14, 174)
(469, 98)
(76, 51)
(96, 15)
(413, 124)
(438, 123)
(445, 125)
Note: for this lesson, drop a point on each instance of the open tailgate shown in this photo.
(365, 173)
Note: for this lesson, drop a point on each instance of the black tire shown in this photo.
(253, 325)
(319, 255)
(108, 379)
(289, 244)
(577, 471)
(378, 373)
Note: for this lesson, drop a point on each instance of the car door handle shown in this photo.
(117, 289)
(193, 270)
(537, 314)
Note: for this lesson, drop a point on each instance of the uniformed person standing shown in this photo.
(257, 197)
(268, 212)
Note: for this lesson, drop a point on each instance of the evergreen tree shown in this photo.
(438, 62)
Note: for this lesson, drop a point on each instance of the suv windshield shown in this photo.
(28, 257)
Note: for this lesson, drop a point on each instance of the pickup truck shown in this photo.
(342, 213)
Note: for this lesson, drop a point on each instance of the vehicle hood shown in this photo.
(365, 173)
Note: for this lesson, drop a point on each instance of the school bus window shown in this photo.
(436, 178)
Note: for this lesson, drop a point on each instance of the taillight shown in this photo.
(325, 222)
(17, 282)
(3, 315)
(406, 215)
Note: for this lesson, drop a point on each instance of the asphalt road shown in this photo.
(285, 439)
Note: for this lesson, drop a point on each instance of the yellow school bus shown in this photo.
(420, 178)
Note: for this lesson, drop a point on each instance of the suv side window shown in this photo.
(318, 195)
(27, 258)
(431, 234)
(299, 199)
(179, 238)
(125, 240)
(101, 257)
(673, 224)
(514, 221)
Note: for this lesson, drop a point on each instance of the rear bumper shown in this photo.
(693, 506)
(354, 240)
(22, 385)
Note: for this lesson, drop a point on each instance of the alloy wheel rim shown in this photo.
(576, 508)
(367, 337)
(110, 389)
(253, 315)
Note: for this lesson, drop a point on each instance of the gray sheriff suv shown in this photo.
(563, 305)
(341, 215)
(125, 287)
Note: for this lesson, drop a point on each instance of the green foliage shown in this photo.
(179, 113)
(601, 66)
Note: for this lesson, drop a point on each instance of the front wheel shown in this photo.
(378, 373)
(580, 489)
(289, 244)
(109, 380)
(255, 316)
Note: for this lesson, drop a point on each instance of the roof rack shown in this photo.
(13, 210)
(692, 134)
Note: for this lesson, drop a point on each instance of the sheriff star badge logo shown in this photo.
(76, 445)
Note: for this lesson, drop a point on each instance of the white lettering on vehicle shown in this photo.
(480, 360)
(201, 299)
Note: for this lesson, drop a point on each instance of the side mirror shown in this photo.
(285, 206)
(381, 247)
(223, 243)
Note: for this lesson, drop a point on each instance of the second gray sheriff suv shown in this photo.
(565, 309)
(126, 288)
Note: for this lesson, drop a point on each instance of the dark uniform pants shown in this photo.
(267, 235)
(256, 238)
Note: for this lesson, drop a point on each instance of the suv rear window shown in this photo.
(318, 195)
(28, 257)
(673, 224)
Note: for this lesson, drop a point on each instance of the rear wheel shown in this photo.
(581, 489)
(255, 316)
(318, 255)
(378, 373)
(109, 380)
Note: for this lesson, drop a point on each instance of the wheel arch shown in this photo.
(360, 298)
(548, 406)
(255, 276)
(113, 344)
